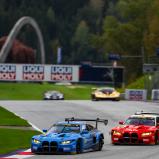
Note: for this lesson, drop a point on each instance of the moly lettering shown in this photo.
(7, 76)
(61, 77)
(33, 76)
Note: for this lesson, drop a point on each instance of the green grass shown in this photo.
(8, 118)
(138, 83)
(35, 91)
(13, 139)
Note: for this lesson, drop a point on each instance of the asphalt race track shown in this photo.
(44, 113)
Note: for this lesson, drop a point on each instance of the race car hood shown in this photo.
(56, 136)
(101, 94)
(134, 128)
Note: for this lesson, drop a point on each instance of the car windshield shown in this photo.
(64, 128)
(140, 121)
(53, 92)
(107, 90)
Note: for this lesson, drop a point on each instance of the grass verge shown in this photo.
(13, 139)
(35, 91)
(9, 119)
(138, 83)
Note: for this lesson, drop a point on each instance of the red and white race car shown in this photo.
(140, 128)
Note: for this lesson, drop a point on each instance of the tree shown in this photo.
(151, 36)
(92, 13)
(80, 43)
(123, 33)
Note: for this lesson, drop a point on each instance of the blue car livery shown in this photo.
(72, 136)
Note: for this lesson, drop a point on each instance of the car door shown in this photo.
(87, 136)
(92, 131)
(157, 125)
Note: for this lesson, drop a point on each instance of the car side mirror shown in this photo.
(121, 122)
(85, 132)
(44, 130)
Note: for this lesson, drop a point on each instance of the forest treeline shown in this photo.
(88, 30)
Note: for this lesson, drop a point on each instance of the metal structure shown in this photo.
(97, 120)
(150, 68)
(151, 81)
(13, 34)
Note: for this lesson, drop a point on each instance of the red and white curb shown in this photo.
(20, 155)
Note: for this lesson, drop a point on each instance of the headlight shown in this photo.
(99, 93)
(116, 133)
(60, 96)
(146, 134)
(65, 142)
(47, 95)
(36, 141)
(114, 94)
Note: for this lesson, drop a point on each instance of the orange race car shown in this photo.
(106, 93)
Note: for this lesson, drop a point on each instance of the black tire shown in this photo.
(156, 138)
(116, 99)
(78, 147)
(115, 144)
(100, 144)
(94, 98)
(34, 152)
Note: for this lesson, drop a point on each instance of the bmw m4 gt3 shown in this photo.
(106, 93)
(141, 128)
(71, 136)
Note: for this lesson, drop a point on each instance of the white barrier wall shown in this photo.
(37, 72)
(136, 94)
(155, 94)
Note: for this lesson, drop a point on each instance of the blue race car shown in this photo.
(70, 136)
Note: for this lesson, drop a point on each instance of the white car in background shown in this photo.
(53, 95)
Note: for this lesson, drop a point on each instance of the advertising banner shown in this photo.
(61, 73)
(136, 94)
(7, 72)
(30, 72)
(33, 72)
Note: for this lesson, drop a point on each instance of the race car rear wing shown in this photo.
(97, 120)
(144, 113)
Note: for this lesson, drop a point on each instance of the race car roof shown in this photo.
(52, 92)
(106, 88)
(145, 115)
